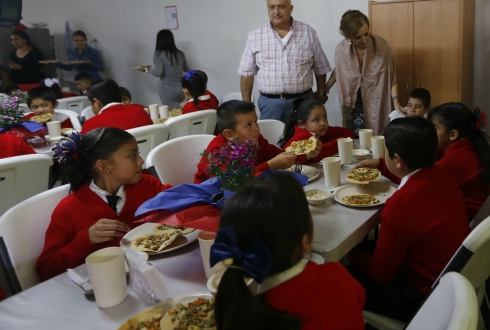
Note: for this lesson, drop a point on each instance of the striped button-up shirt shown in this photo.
(283, 68)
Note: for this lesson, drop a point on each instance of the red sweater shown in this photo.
(120, 116)
(213, 97)
(329, 141)
(422, 226)
(323, 296)
(11, 146)
(463, 163)
(67, 242)
(265, 153)
(208, 104)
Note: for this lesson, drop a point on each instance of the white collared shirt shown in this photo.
(103, 193)
(202, 98)
(109, 105)
(275, 280)
(406, 177)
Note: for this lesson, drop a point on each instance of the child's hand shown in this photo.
(372, 163)
(282, 161)
(105, 230)
(315, 152)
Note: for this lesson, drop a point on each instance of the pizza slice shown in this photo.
(363, 175)
(183, 230)
(195, 315)
(148, 319)
(302, 147)
(42, 118)
(360, 200)
(154, 242)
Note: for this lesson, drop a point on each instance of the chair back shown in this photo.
(175, 161)
(74, 118)
(24, 227)
(271, 130)
(199, 122)
(148, 137)
(22, 177)
(87, 113)
(482, 214)
(451, 306)
(9, 281)
(75, 103)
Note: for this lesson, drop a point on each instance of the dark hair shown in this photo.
(351, 22)
(55, 87)
(226, 114)
(24, 36)
(204, 76)
(414, 139)
(302, 110)
(125, 93)
(80, 34)
(41, 92)
(97, 144)
(10, 88)
(422, 94)
(456, 116)
(106, 92)
(274, 209)
(83, 76)
(195, 84)
(166, 43)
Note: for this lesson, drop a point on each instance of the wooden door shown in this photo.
(394, 23)
(436, 53)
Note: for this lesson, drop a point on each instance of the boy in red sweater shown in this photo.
(238, 118)
(422, 224)
(42, 100)
(109, 111)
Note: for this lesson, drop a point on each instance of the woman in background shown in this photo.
(24, 60)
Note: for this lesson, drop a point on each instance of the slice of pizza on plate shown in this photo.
(363, 175)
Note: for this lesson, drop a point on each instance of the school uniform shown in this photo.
(422, 226)
(64, 120)
(265, 153)
(213, 97)
(13, 146)
(205, 102)
(329, 141)
(118, 115)
(323, 296)
(67, 242)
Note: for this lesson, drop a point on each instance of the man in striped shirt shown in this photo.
(284, 54)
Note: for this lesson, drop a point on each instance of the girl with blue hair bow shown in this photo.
(266, 229)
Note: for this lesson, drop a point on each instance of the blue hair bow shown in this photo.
(66, 150)
(255, 258)
(189, 74)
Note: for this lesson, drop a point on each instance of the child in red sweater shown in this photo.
(238, 119)
(265, 231)
(42, 100)
(309, 118)
(13, 146)
(104, 170)
(194, 87)
(422, 224)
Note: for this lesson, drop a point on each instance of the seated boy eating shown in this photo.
(109, 111)
(42, 100)
(238, 118)
(418, 104)
(422, 224)
(83, 82)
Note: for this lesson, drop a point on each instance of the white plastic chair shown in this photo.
(22, 177)
(199, 122)
(75, 103)
(75, 121)
(234, 96)
(175, 161)
(482, 214)
(148, 137)
(87, 113)
(24, 227)
(271, 130)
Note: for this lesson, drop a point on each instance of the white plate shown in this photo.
(381, 190)
(311, 172)
(147, 228)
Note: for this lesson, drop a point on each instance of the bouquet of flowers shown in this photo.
(233, 165)
(12, 122)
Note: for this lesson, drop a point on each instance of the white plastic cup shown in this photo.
(108, 276)
(65, 89)
(378, 143)
(206, 240)
(154, 111)
(54, 128)
(331, 171)
(163, 110)
(365, 138)
(345, 150)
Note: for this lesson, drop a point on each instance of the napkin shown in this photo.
(78, 279)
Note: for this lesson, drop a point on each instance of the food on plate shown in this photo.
(78, 62)
(316, 195)
(48, 61)
(160, 121)
(359, 200)
(363, 175)
(148, 319)
(183, 230)
(175, 112)
(154, 242)
(302, 147)
(195, 315)
(42, 118)
(66, 131)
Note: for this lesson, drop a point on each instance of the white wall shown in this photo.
(211, 33)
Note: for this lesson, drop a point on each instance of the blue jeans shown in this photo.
(278, 109)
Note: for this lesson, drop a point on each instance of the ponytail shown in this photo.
(195, 84)
(289, 128)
